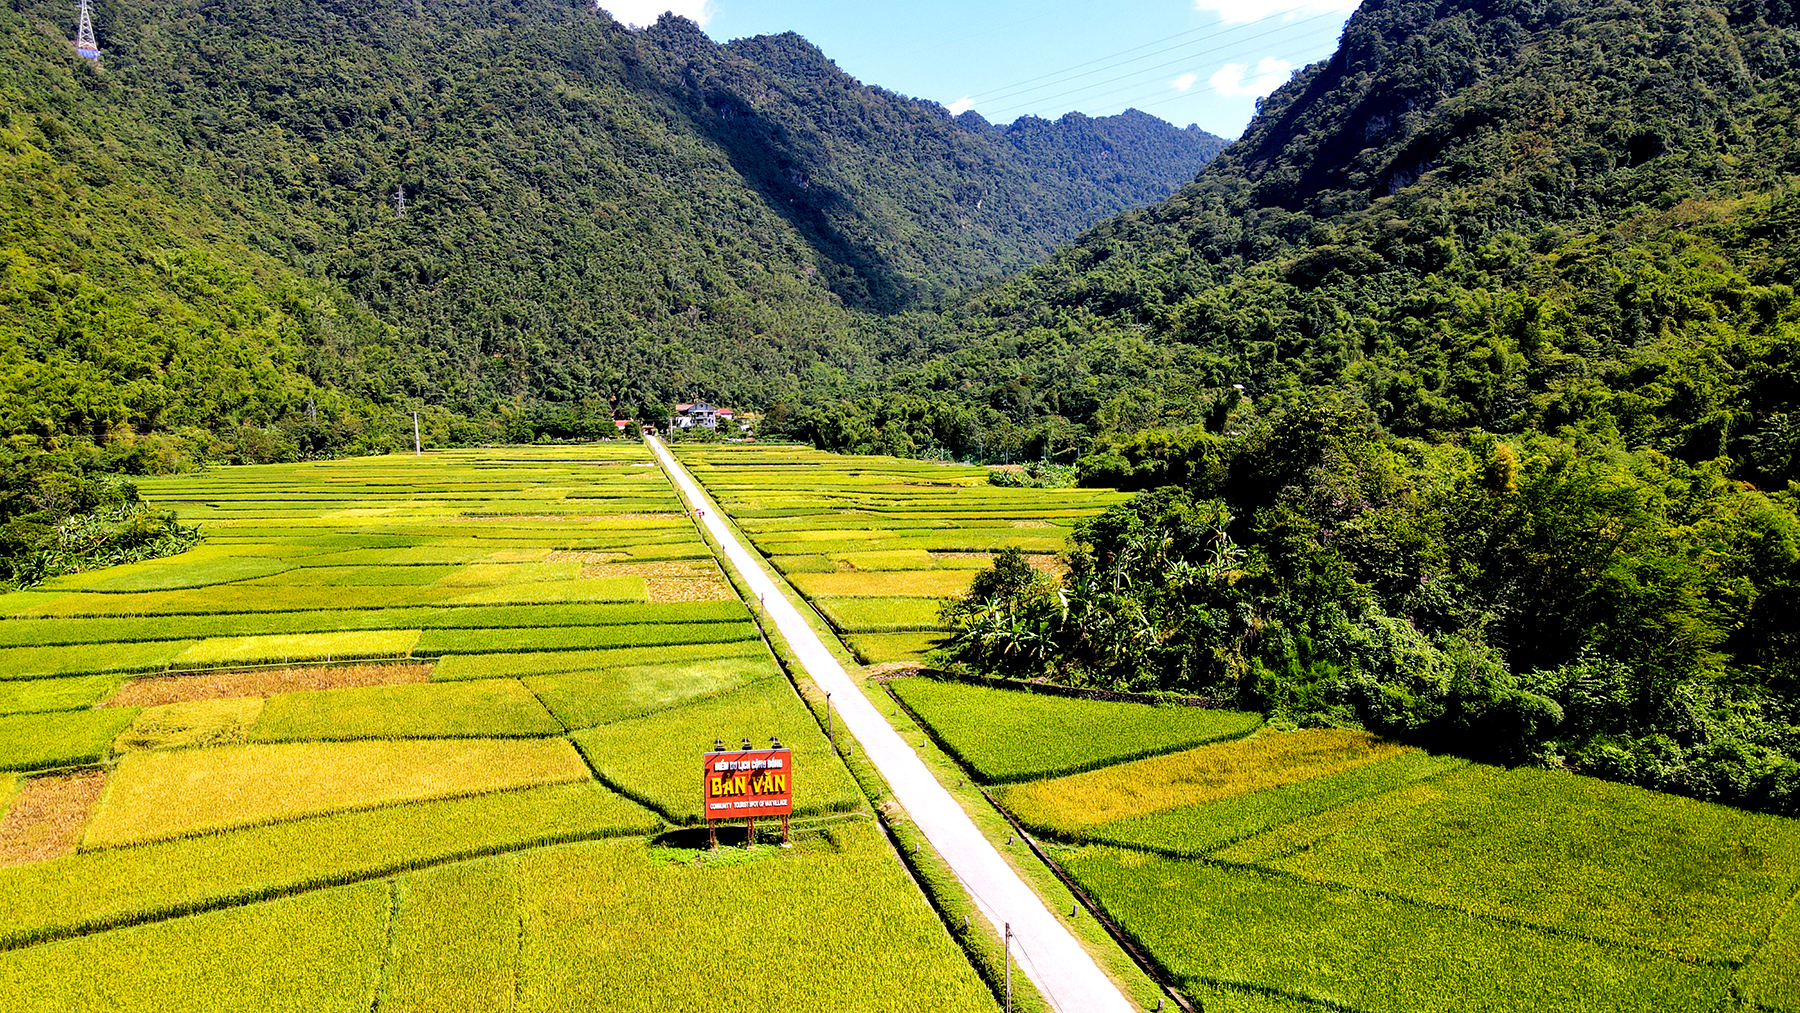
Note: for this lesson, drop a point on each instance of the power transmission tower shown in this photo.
(399, 193)
(85, 44)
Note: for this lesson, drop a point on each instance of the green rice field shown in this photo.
(874, 543)
(1327, 869)
(420, 733)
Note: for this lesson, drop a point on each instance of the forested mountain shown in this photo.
(207, 257)
(1463, 389)
(591, 213)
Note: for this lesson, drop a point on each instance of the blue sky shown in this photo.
(1188, 61)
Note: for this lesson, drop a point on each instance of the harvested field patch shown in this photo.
(1075, 803)
(25, 696)
(663, 590)
(485, 708)
(59, 738)
(1015, 734)
(679, 569)
(48, 815)
(189, 725)
(315, 953)
(98, 889)
(157, 795)
(166, 689)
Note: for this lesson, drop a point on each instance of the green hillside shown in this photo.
(1462, 389)
(206, 257)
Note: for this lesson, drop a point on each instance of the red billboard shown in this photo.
(741, 783)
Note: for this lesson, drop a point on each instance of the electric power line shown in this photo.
(1084, 89)
(1018, 88)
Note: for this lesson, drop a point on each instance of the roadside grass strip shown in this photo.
(826, 926)
(901, 584)
(1005, 735)
(1197, 831)
(655, 759)
(94, 890)
(60, 739)
(433, 643)
(1769, 979)
(191, 725)
(349, 645)
(1069, 806)
(26, 696)
(510, 665)
(879, 648)
(484, 708)
(1609, 861)
(1362, 951)
(317, 953)
(41, 662)
(586, 699)
(157, 795)
(881, 615)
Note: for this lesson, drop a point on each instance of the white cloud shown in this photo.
(1256, 10)
(639, 13)
(1184, 82)
(1235, 79)
(961, 105)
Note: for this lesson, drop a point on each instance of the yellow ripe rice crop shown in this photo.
(167, 794)
(1192, 777)
(186, 725)
(297, 647)
(901, 584)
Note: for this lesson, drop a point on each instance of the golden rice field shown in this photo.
(875, 542)
(414, 733)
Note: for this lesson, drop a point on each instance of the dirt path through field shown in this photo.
(1046, 950)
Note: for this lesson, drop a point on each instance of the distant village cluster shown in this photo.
(699, 415)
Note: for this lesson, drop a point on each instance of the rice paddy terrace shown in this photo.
(412, 733)
(418, 733)
(1325, 869)
(875, 542)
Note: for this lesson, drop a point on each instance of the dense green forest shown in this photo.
(207, 258)
(1461, 391)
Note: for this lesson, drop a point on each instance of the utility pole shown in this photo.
(829, 732)
(1009, 967)
(416, 450)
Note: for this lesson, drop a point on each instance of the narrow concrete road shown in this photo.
(1043, 947)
